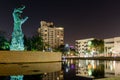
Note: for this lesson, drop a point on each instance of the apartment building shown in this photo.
(52, 36)
(112, 45)
(108, 45)
(82, 45)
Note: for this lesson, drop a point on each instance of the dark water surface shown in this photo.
(68, 69)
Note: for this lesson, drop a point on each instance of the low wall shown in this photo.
(28, 56)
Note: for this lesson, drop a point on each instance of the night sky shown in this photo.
(80, 18)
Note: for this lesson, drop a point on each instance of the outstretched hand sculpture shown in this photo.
(18, 21)
(17, 35)
(17, 43)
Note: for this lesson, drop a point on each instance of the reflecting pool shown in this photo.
(30, 71)
(69, 69)
(90, 69)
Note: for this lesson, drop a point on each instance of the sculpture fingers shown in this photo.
(21, 8)
(23, 20)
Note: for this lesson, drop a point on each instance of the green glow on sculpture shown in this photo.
(17, 43)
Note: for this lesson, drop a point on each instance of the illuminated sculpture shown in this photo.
(17, 35)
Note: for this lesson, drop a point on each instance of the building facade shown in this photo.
(108, 45)
(52, 36)
(82, 45)
(112, 45)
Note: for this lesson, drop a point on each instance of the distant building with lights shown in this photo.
(82, 45)
(112, 45)
(52, 36)
(108, 45)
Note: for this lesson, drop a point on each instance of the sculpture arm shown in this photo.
(21, 8)
(23, 20)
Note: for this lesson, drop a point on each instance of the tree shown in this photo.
(34, 43)
(4, 43)
(60, 48)
(96, 45)
(37, 43)
(27, 43)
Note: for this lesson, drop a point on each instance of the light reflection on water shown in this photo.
(92, 69)
(69, 69)
(30, 71)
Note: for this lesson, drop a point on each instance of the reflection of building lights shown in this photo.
(79, 65)
(66, 70)
(45, 74)
(72, 66)
(58, 78)
(114, 64)
(71, 61)
(89, 69)
(111, 65)
(66, 60)
(68, 64)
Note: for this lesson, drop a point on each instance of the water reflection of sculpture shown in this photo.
(17, 35)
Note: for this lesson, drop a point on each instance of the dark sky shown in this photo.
(80, 18)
